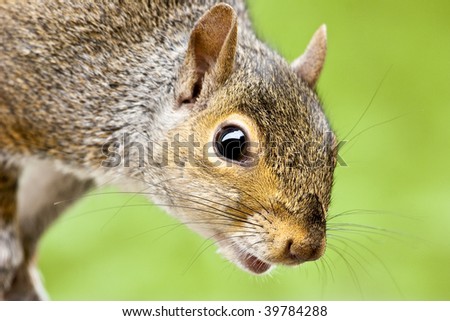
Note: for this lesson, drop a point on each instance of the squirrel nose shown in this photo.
(302, 251)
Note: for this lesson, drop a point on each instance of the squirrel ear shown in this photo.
(211, 49)
(309, 65)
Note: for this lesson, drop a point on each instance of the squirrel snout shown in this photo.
(301, 237)
(301, 251)
(295, 239)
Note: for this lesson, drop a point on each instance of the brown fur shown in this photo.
(76, 76)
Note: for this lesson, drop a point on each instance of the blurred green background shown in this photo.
(397, 178)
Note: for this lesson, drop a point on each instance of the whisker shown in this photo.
(200, 251)
(327, 264)
(252, 210)
(254, 198)
(369, 104)
(239, 218)
(205, 199)
(348, 212)
(185, 196)
(349, 267)
(384, 122)
(354, 257)
(326, 268)
(376, 257)
(187, 199)
(216, 222)
(322, 276)
(120, 208)
(164, 234)
(230, 218)
(173, 225)
(363, 232)
(366, 212)
(91, 194)
(363, 226)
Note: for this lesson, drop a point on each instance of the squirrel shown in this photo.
(87, 86)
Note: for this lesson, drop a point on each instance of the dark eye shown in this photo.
(231, 143)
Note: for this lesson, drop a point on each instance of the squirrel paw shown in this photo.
(11, 256)
(26, 285)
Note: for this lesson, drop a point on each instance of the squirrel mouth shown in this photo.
(253, 264)
(244, 259)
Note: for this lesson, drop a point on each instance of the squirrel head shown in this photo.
(257, 179)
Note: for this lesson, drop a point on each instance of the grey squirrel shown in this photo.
(82, 82)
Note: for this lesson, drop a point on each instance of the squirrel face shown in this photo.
(259, 184)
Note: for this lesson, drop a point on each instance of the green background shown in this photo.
(397, 178)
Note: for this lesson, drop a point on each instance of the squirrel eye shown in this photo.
(230, 143)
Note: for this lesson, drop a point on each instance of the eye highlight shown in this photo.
(231, 143)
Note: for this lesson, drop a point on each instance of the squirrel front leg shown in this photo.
(11, 252)
(44, 193)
